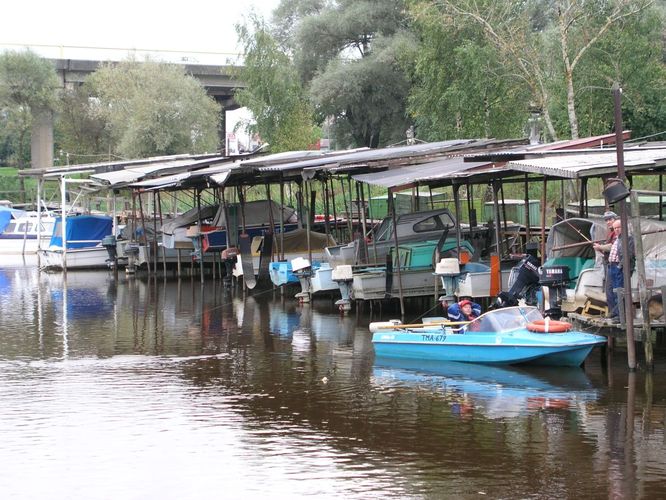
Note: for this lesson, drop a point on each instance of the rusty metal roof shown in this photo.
(574, 165)
(431, 172)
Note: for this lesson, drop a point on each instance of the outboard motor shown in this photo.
(554, 278)
(525, 280)
(109, 242)
(229, 256)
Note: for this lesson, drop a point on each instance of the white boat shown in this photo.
(83, 239)
(77, 258)
(20, 234)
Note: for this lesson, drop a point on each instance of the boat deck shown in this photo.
(604, 326)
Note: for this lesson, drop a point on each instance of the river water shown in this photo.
(142, 389)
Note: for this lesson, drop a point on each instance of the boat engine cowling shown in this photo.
(109, 242)
(555, 278)
(526, 278)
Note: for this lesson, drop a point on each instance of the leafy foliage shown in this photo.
(27, 80)
(155, 109)
(551, 52)
(82, 129)
(28, 85)
(348, 54)
(461, 88)
(273, 93)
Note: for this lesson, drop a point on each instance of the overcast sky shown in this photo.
(179, 27)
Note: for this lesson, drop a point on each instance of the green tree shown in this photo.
(348, 52)
(155, 109)
(282, 112)
(82, 129)
(544, 42)
(28, 92)
(460, 88)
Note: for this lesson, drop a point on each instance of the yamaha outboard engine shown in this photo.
(554, 278)
(525, 283)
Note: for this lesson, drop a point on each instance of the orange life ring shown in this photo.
(549, 326)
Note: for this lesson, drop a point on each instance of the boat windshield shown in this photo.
(503, 320)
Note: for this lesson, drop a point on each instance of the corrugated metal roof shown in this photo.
(424, 172)
(587, 164)
(351, 158)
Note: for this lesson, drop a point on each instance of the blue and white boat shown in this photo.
(20, 233)
(84, 243)
(500, 336)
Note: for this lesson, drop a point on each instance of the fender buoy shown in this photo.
(549, 326)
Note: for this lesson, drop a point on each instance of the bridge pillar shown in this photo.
(41, 139)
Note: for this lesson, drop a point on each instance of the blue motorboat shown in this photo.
(512, 335)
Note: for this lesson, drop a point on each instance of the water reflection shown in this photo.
(495, 392)
(128, 379)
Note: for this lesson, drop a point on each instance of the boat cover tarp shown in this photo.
(296, 241)
(190, 217)
(653, 238)
(256, 213)
(570, 231)
(82, 231)
(7, 214)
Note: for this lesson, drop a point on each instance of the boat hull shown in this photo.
(77, 258)
(566, 349)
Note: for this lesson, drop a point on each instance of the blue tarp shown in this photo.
(90, 229)
(6, 215)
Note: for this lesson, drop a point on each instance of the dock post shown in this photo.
(624, 235)
(544, 200)
(527, 210)
(391, 201)
(642, 281)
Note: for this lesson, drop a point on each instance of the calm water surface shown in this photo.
(169, 390)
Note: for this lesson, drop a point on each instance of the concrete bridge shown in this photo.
(219, 81)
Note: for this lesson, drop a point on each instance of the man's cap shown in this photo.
(463, 303)
(609, 214)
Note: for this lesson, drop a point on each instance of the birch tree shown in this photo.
(518, 30)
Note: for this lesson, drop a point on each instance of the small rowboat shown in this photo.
(512, 335)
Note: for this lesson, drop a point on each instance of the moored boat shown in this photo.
(500, 336)
(84, 243)
(21, 234)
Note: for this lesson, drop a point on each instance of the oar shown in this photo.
(421, 325)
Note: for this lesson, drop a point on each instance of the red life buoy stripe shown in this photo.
(549, 326)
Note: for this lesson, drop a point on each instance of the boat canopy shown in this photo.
(571, 231)
(82, 230)
(7, 214)
(504, 320)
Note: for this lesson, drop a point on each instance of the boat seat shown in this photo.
(595, 304)
(593, 308)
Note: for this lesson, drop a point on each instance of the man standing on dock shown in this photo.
(615, 259)
(605, 248)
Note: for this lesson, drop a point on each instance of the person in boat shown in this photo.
(615, 272)
(604, 248)
(465, 310)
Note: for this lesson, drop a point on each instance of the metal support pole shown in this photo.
(335, 213)
(527, 210)
(307, 221)
(391, 201)
(456, 206)
(200, 237)
(642, 280)
(281, 220)
(544, 200)
(40, 184)
(374, 240)
(63, 219)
